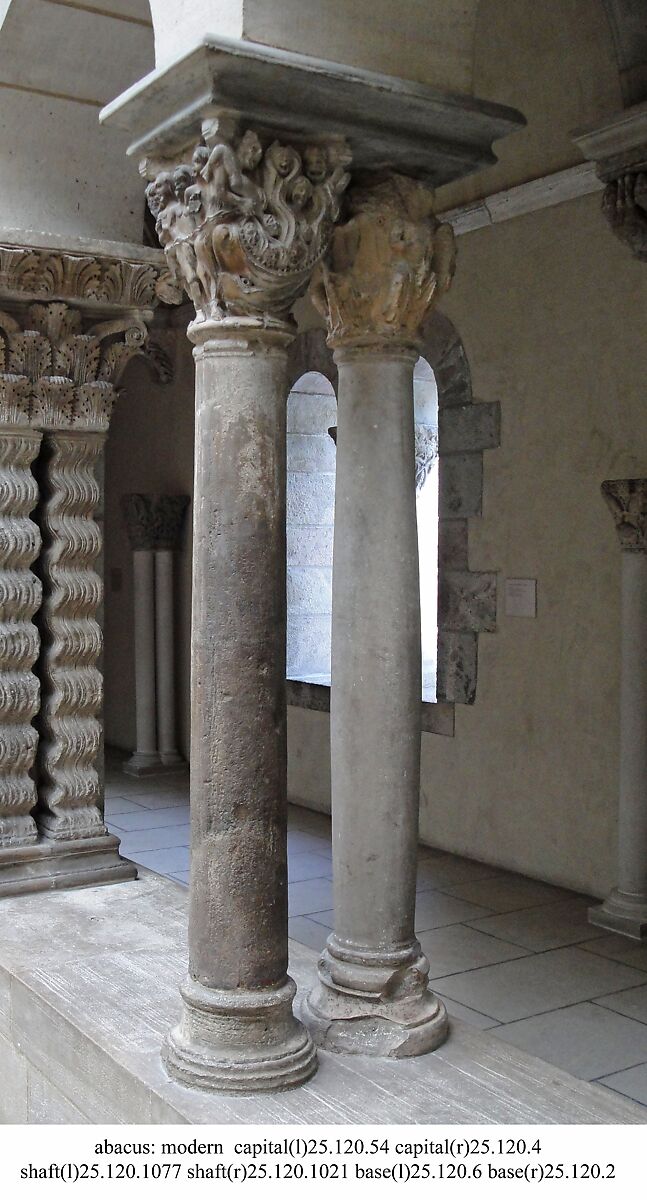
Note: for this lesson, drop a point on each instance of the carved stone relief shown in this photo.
(624, 204)
(49, 274)
(388, 264)
(627, 500)
(244, 222)
(154, 522)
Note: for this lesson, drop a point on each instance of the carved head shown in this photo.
(182, 178)
(301, 193)
(250, 151)
(200, 157)
(316, 163)
(159, 192)
(285, 159)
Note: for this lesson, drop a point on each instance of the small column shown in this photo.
(625, 910)
(389, 263)
(154, 526)
(20, 594)
(244, 271)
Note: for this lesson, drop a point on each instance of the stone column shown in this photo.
(625, 910)
(389, 263)
(20, 594)
(244, 254)
(154, 525)
(58, 374)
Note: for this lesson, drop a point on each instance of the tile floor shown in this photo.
(507, 953)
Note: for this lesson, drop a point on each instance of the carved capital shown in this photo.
(624, 204)
(627, 500)
(245, 221)
(154, 522)
(58, 372)
(388, 265)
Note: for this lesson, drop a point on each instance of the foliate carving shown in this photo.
(244, 223)
(624, 204)
(388, 264)
(20, 593)
(426, 453)
(58, 372)
(627, 500)
(154, 522)
(70, 733)
(47, 274)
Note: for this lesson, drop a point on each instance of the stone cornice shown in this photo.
(96, 279)
(409, 127)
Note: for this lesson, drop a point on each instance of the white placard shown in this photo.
(521, 597)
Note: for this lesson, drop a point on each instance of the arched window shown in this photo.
(425, 403)
(312, 411)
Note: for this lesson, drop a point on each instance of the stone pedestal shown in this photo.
(625, 909)
(388, 264)
(154, 524)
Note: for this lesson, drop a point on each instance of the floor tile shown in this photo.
(477, 1019)
(435, 909)
(544, 928)
(181, 877)
(620, 949)
(309, 896)
(165, 862)
(116, 805)
(456, 948)
(446, 869)
(632, 1003)
(585, 1040)
(307, 866)
(631, 1083)
(528, 986)
(152, 819)
(309, 933)
(300, 843)
(159, 800)
(326, 918)
(507, 893)
(151, 839)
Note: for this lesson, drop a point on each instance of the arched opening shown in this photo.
(425, 403)
(312, 411)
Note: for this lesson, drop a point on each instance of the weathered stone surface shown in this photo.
(311, 500)
(457, 667)
(310, 589)
(467, 601)
(310, 453)
(469, 427)
(452, 546)
(310, 546)
(154, 522)
(96, 1016)
(460, 489)
(627, 501)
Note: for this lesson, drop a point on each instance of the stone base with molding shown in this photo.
(622, 914)
(48, 866)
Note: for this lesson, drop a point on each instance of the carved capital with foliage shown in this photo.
(154, 522)
(627, 500)
(388, 265)
(624, 204)
(246, 220)
(58, 371)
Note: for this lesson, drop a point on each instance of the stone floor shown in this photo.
(507, 954)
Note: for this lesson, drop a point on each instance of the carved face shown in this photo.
(250, 151)
(199, 160)
(159, 192)
(316, 163)
(182, 177)
(301, 192)
(284, 160)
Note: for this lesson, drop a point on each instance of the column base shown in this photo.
(55, 866)
(143, 764)
(622, 913)
(243, 1040)
(396, 1018)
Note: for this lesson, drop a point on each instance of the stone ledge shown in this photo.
(82, 1032)
(434, 718)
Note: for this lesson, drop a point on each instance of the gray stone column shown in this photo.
(243, 225)
(625, 909)
(388, 264)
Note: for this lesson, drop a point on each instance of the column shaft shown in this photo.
(372, 996)
(165, 663)
(146, 756)
(237, 1031)
(20, 594)
(632, 831)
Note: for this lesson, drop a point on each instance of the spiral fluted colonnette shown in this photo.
(69, 789)
(20, 593)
